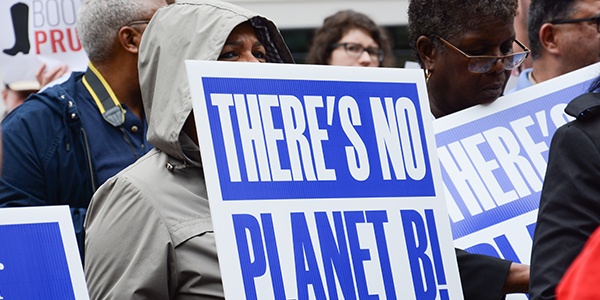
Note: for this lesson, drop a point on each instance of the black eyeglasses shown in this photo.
(569, 21)
(484, 63)
(139, 22)
(356, 50)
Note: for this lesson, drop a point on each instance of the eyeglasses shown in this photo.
(569, 21)
(356, 50)
(484, 63)
(139, 22)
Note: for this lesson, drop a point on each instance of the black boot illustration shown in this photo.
(20, 19)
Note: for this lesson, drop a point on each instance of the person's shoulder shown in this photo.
(31, 112)
(127, 195)
(585, 107)
(38, 108)
(142, 178)
(51, 101)
(62, 91)
(55, 95)
(586, 110)
(164, 184)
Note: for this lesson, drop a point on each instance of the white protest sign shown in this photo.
(39, 258)
(323, 182)
(35, 32)
(493, 160)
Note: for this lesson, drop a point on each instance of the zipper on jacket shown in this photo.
(89, 159)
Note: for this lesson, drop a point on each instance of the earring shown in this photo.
(427, 75)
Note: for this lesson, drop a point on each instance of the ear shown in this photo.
(129, 39)
(548, 38)
(427, 52)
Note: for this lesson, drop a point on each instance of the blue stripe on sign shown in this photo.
(323, 147)
(34, 261)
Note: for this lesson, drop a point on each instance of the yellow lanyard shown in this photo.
(103, 95)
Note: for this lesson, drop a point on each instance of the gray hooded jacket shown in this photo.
(148, 230)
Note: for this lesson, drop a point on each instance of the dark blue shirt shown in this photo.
(112, 148)
(57, 149)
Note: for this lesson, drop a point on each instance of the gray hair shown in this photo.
(99, 21)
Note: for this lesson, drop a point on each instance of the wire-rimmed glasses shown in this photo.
(484, 63)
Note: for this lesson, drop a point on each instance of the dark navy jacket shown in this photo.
(570, 201)
(54, 145)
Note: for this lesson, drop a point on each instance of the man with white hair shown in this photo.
(62, 143)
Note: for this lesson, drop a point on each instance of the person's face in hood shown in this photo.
(243, 45)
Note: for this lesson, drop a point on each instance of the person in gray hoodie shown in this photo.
(149, 233)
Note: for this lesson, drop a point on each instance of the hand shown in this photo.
(44, 77)
(517, 280)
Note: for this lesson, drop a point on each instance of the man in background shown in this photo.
(563, 36)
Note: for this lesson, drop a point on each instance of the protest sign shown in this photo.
(323, 182)
(36, 32)
(39, 258)
(493, 160)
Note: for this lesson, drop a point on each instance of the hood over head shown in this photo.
(189, 29)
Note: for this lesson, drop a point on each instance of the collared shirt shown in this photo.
(525, 80)
(112, 148)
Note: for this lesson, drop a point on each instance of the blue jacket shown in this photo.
(45, 150)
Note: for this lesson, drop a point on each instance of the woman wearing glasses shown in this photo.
(349, 38)
(466, 50)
